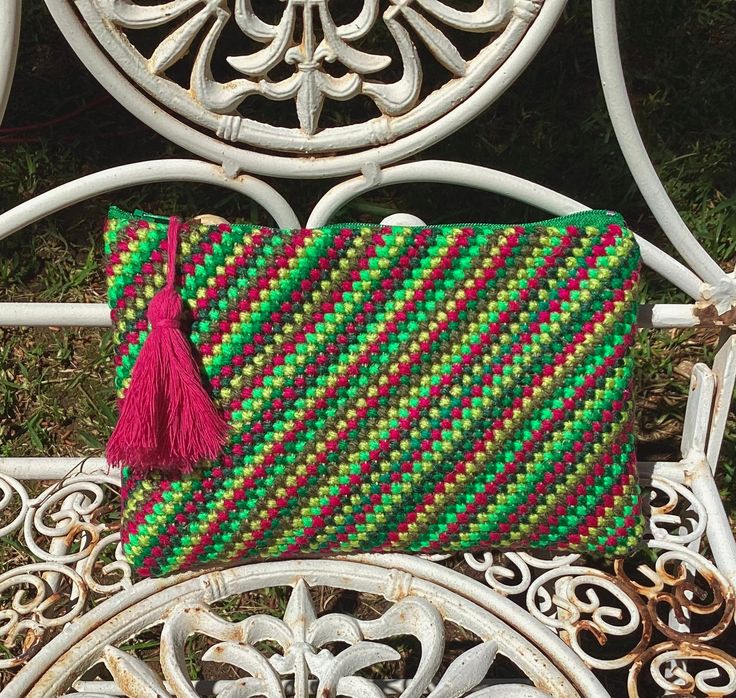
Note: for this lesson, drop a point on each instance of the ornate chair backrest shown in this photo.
(268, 110)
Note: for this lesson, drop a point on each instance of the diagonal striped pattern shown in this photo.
(434, 389)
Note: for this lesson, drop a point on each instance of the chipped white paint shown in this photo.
(382, 139)
(302, 653)
(74, 603)
(303, 40)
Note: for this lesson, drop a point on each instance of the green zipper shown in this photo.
(142, 214)
(115, 212)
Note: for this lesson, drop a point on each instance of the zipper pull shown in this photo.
(138, 213)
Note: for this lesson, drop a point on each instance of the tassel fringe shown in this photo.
(168, 422)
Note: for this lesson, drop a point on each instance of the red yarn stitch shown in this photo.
(167, 420)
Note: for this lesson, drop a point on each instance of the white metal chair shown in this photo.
(667, 624)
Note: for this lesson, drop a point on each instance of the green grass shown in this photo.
(56, 392)
(551, 126)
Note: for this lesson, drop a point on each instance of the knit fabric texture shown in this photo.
(417, 389)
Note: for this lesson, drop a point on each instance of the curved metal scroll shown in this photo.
(9, 36)
(469, 89)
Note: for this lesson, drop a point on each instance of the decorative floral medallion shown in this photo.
(401, 64)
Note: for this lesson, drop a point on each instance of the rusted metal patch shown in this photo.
(684, 669)
(709, 316)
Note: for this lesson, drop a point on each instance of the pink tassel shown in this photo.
(168, 422)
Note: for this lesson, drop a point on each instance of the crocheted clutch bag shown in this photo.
(424, 389)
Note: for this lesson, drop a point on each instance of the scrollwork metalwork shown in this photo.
(585, 602)
(512, 573)
(63, 512)
(685, 669)
(10, 488)
(36, 607)
(684, 584)
(308, 56)
(676, 514)
(69, 529)
(675, 591)
(311, 654)
(666, 618)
